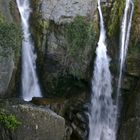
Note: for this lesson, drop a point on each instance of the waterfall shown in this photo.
(30, 85)
(124, 41)
(102, 111)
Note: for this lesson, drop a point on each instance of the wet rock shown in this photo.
(130, 123)
(58, 105)
(80, 117)
(133, 63)
(72, 109)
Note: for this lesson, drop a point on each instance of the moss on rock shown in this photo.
(10, 38)
(10, 45)
(9, 121)
(82, 37)
(79, 33)
(115, 17)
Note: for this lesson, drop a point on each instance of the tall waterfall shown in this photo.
(124, 40)
(30, 86)
(102, 111)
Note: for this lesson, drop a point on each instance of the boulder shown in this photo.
(37, 123)
(73, 110)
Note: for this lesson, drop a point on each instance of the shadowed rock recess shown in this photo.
(65, 35)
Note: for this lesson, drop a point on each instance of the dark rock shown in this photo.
(130, 125)
(72, 110)
(130, 122)
(133, 63)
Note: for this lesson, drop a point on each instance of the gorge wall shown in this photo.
(66, 34)
(10, 37)
(131, 116)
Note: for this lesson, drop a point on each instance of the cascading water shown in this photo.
(30, 86)
(124, 40)
(102, 111)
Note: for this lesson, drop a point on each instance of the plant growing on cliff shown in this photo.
(9, 121)
(10, 38)
(79, 34)
(81, 37)
(116, 15)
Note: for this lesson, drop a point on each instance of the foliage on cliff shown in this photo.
(115, 17)
(81, 37)
(9, 121)
(10, 38)
(79, 33)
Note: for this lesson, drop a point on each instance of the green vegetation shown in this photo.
(10, 38)
(79, 33)
(81, 36)
(9, 121)
(134, 50)
(116, 15)
(135, 36)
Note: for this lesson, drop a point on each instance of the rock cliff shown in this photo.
(10, 42)
(66, 35)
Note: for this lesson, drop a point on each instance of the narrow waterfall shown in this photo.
(124, 39)
(102, 111)
(30, 85)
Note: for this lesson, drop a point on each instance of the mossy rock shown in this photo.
(9, 121)
(82, 38)
(135, 29)
(116, 14)
(10, 46)
(10, 38)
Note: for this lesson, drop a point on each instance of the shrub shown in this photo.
(9, 121)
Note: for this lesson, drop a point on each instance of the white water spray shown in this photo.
(30, 86)
(102, 111)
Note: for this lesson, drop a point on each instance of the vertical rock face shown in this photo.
(9, 10)
(65, 33)
(6, 71)
(4, 8)
(9, 46)
(63, 11)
